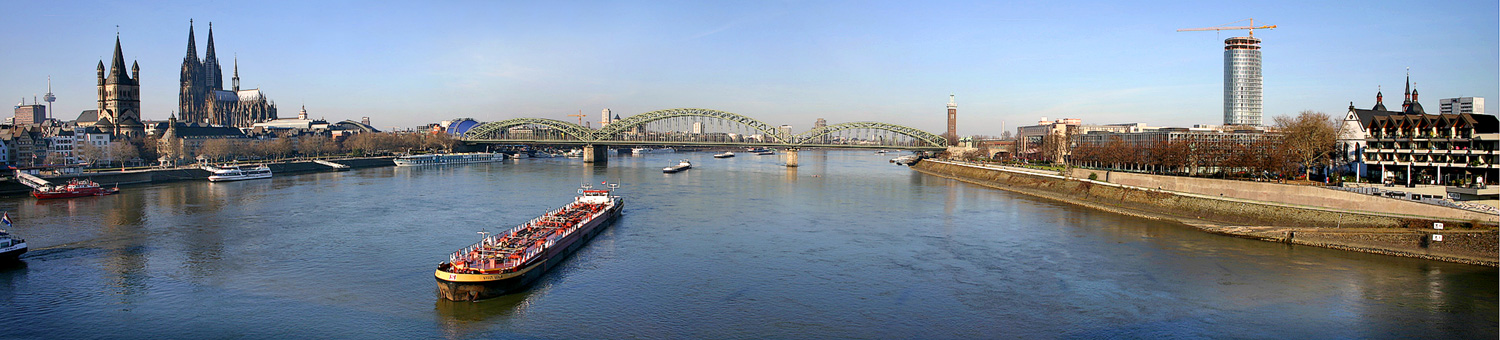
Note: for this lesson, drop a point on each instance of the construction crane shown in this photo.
(1223, 27)
(580, 116)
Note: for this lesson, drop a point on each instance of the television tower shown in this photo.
(49, 98)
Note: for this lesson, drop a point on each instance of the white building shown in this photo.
(1462, 105)
(1242, 81)
(60, 144)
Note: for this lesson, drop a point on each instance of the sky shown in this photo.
(408, 63)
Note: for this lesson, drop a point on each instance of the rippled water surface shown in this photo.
(845, 246)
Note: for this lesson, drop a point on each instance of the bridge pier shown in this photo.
(593, 154)
(791, 157)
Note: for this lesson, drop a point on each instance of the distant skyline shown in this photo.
(406, 64)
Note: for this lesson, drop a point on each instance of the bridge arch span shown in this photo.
(570, 129)
(614, 129)
(924, 137)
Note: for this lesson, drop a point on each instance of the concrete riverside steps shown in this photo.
(1472, 241)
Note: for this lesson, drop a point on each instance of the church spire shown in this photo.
(192, 51)
(117, 66)
(215, 75)
(236, 73)
(1406, 104)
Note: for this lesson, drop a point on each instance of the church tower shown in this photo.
(120, 98)
(191, 96)
(213, 76)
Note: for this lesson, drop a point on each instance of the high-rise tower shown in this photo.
(1242, 81)
(952, 121)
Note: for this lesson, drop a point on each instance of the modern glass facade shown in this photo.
(1242, 81)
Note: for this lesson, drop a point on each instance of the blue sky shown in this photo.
(409, 63)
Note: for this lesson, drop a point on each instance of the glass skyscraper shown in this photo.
(1242, 82)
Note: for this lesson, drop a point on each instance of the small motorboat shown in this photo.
(684, 165)
(726, 154)
(11, 246)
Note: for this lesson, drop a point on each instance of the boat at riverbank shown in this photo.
(682, 165)
(11, 247)
(643, 151)
(449, 158)
(75, 188)
(237, 173)
(509, 261)
(726, 154)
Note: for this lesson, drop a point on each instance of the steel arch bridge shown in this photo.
(702, 127)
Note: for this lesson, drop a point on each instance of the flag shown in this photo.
(6, 219)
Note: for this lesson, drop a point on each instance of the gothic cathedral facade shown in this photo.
(202, 98)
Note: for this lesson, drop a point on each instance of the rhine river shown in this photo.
(847, 246)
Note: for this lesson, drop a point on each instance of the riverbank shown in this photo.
(193, 172)
(1281, 214)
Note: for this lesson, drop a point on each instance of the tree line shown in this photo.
(1298, 146)
(142, 151)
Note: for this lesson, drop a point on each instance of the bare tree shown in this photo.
(216, 149)
(88, 153)
(122, 151)
(1309, 139)
(170, 150)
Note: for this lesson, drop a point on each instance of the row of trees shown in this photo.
(1304, 142)
(149, 149)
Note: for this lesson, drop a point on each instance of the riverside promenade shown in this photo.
(1266, 211)
(194, 172)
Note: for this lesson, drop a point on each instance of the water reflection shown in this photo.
(845, 246)
(462, 319)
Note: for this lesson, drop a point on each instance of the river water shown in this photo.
(847, 246)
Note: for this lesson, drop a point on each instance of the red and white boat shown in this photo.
(511, 260)
(74, 188)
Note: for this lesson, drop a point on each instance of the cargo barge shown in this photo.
(509, 261)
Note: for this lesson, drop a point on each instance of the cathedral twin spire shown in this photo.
(203, 98)
(212, 74)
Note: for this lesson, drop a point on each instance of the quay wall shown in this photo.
(1467, 241)
(1283, 193)
(119, 178)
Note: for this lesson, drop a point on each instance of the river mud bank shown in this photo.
(1467, 238)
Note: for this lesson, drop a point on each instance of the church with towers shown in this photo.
(119, 109)
(202, 98)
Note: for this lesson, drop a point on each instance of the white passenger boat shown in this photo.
(683, 165)
(642, 151)
(237, 173)
(726, 154)
(449, 158)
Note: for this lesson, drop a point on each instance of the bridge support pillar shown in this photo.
(593, 154)
(791, 158)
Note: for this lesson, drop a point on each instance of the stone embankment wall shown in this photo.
(1299, 195)
(1467, 240)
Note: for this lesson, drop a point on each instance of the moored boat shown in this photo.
(509, 261)
(726, 154)
(11, 246)
(237, 172)
(642, 151)
(449, 158)
(682, 165)
(74, 188)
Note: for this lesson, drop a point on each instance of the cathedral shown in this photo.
(120, 98)
(202, 98)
